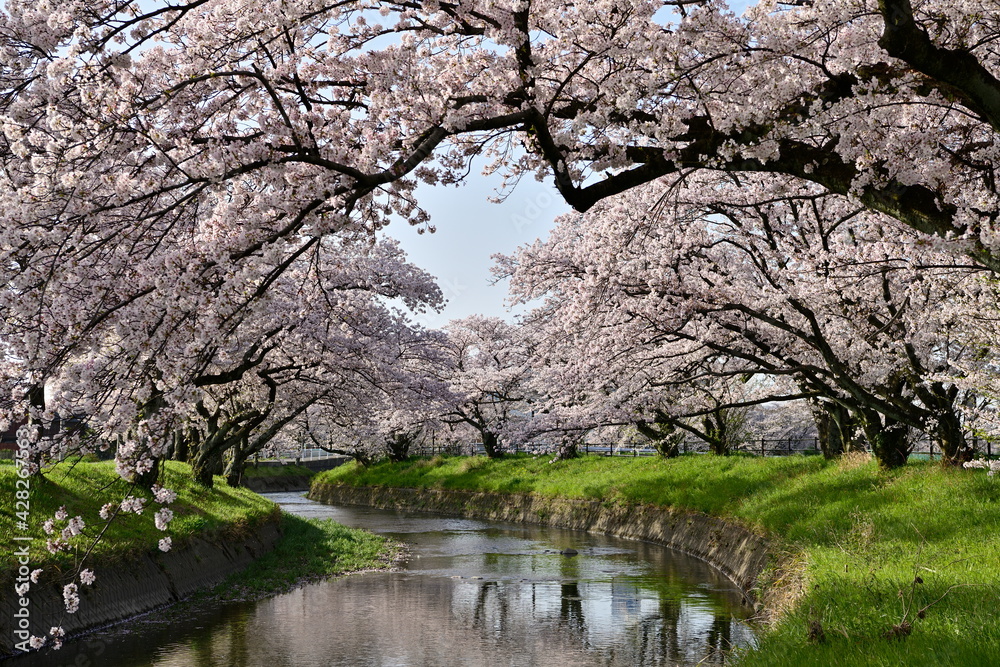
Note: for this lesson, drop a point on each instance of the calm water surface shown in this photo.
(471, 593)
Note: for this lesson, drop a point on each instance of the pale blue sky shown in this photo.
(470, 229)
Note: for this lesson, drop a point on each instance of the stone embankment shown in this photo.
(283, 484)
(278, 483)
(742, 555)
(135, 586)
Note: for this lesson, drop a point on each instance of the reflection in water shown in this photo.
(472, 593)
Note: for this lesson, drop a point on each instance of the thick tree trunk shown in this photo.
(889, 450)
(182, 449)
(568, 448)
(398, 446)
(234, 469)
(205, 466)
(36, 400)
(237, 462)
(664, 436)
(716, 433)
(491, 444)
(950, 437)
(668, 447)
(834, 425)
(947, 429)
(234, 476)
(829, 442)
(889, 442)
(202, 474)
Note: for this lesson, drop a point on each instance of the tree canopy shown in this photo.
(176, 174)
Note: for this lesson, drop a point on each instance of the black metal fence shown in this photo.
(981, 448)
(922, 449)
(761, 447)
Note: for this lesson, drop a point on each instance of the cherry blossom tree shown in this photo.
(323, 332)
(187, 155)
(391, 414)
(489, 365)
(590, 370)
(169, 167)
(349, 357)
(774, 281)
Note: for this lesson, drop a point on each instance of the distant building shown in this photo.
(8, 437)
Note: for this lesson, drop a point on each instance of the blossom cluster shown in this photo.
(992, 466)
(74, 527)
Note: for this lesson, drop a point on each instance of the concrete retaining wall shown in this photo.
(738, 552)
(316, 465)
(278, 484)
(319, 465)
(134, 587)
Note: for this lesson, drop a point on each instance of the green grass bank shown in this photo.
(897, 567)
(307, 549)
(83, 488)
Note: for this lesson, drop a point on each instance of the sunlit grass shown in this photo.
(82, 488)
(864, 535)
(309, 549)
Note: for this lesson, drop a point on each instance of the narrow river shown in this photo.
(471, 593)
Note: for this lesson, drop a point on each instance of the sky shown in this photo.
(470, 229)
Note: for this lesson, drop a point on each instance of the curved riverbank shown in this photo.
(867, 566)
(228, 544)
(739, 553)
(468, 592)
(214, 533)
(147, 582)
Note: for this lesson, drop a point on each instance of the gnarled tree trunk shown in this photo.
(569, 447)
(205, 466)
(889, 441)
(664, 435)
(947, 431)
(491, 444)
(398, 443)
(834, 427)
(717, 433)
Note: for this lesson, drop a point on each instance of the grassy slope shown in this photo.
(85, 487)
(864, 536)
(309, 549)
